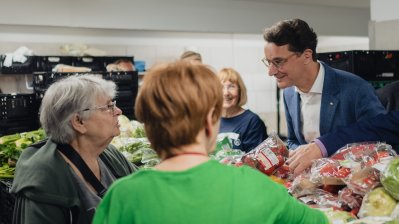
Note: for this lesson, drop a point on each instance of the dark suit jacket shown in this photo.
(384, 127)
(346, 99)
(389, 96)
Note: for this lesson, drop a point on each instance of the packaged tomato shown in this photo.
(364, 180)
(326, 171)
(268, 155)
(284, 172)
(350, 199)
(365, 153)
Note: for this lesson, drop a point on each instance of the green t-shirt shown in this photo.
(205, 194)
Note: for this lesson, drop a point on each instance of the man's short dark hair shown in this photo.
(296, 33)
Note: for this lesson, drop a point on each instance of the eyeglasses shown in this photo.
(230, 87)
(277, 62)
(109, 107)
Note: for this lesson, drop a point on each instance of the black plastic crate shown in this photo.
(341, 60)
(7, 201)
(125, 100)
(12, 126)
(47, 63)
(19, 105)
(124, 80)
(95, 63)
(371, 65)
(112, 59)
(42, 80)
(386, 65)
(30, 65)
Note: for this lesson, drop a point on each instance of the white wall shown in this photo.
(384, 25)
(240, 51)
(384, 10)
(220, 16)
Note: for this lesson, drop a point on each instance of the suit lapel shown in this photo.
(329, 101)
(297, 116)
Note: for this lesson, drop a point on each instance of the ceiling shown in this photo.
(363, 4)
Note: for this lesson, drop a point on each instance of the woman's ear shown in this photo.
(78, 123)
(209, 123)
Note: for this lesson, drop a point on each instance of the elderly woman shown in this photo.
(244, 129)
(182, 122)
(63, 179)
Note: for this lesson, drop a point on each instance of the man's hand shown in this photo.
(302, 157)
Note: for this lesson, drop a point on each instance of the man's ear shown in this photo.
(308, 54)
(78, 123)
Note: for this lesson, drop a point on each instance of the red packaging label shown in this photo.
(268, 160)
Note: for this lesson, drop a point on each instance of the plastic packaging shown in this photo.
(377, 203)
(390, 178)
(267, 156)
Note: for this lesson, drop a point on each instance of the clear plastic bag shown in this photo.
(267, 156)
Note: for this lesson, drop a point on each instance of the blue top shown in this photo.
(245, 131)
(346, 99)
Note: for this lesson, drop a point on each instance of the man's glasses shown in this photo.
(109, 107)
(277, 62)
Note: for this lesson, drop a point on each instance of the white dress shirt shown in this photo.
(310, 108)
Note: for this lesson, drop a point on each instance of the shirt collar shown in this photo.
(318, 83)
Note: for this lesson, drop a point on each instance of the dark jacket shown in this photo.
(389, 96)
(384, 128)
(346, 99)
(46, 190)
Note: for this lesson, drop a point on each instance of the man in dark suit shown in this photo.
(318, 99)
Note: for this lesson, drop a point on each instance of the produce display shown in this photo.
(358, 184)
(134, 145)
(11, 147)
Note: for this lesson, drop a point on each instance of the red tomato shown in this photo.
(343, 172)
(380, 155)
(328, 170)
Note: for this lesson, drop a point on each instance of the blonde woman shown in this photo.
(244, 128)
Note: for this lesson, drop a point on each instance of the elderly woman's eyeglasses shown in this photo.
(230, 87)
(277, 62)
(109, 107)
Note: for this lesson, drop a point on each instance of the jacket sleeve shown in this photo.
(367, 103)
(27, 211)
(384, 127)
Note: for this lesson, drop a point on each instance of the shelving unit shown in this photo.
(19, 111)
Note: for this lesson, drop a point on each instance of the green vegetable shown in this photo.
(6, 171)
(11, 147)
(9, 138)
(22, 143)
(377, 203)
(339, 216)
(390, 178)
(139, 133)
(133, 147)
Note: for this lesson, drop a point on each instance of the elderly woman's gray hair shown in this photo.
(68, 96)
